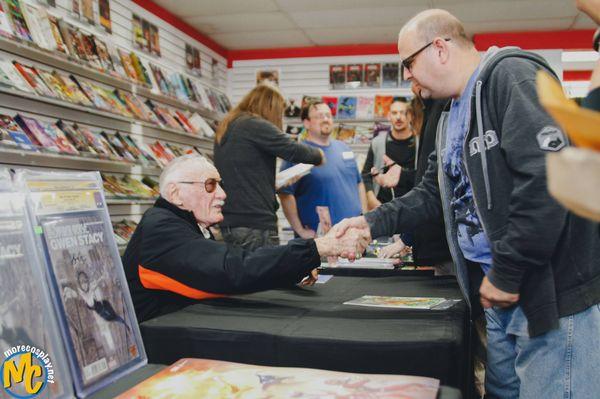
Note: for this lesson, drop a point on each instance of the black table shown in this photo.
(367, 272)
(310, 327)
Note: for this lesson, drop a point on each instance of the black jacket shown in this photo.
(429, 246)
(246, 160)
(539, 250)
(170, 264)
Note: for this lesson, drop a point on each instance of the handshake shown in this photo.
(347, 239)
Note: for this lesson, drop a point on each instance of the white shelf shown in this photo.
(126, 201)
(72, 65)
(341, 121)
(63, 161)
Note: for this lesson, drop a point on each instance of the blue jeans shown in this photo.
(561, 364)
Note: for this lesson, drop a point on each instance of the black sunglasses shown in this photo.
(210, 185)
(408, 61)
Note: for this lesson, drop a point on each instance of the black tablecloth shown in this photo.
(310, 327)
(364, 272)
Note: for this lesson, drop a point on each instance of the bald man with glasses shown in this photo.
(533, 266)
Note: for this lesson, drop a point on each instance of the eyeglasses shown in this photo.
(408, 61)
(210, 185)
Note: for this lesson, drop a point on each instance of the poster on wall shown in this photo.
(196, 56)
(87, 11)
(104, 15)
(139, 41)
(390, 74)
(214, 69)
(154, 40)
(189, 56)
(373, 75)
(75, 9)
(337, 76)
(270, 76)
(354, 76)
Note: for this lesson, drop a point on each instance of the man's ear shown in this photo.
(173, 193)
(441, 49)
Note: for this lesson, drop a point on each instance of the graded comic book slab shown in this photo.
(94, 307)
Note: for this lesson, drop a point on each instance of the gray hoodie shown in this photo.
(539, 250)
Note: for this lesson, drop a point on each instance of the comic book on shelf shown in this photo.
(26, 315)
(34, 17)
(365, 107)
(89, 288)
(203, 378)
(346, 107)
(71, 89)
(15, 13)
(98, 143)
(75, 137)
(10, 128)
(139, 41)
(332, 103)
(201, 125)
(59, 41)
(382, 105)
(53, 84)
(9, 76)
(61, 140)
(87, 11)
(337, 76)
(6, 28)
(118, 147)
(30, 74)
(36, 132)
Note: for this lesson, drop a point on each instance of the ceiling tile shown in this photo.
(192, 8)
(241, 22)
(584, 22)
(498, 10)
(518, 25)
(353, 18)
(353, 35)
(267, 39)
(341, 5)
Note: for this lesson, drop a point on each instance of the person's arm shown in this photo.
(372, 201)
(592, 100)
(266, 136)
(362, 194)
(188, 264)
(290, 210)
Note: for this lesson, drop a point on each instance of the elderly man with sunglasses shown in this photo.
(172, 259)
(533, 266)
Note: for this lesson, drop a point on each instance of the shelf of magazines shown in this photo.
(337, 120)
(73, 65)
(13, 156)
(135, 126)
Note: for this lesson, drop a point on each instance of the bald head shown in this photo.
(429, 24)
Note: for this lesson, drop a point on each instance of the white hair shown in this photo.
(177, 169)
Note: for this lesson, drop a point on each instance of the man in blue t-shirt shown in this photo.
(337, 184)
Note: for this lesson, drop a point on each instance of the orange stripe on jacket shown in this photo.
(153, 280)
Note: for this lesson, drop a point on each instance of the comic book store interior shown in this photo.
(273, 199)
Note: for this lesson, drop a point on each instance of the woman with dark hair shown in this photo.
(247, 144)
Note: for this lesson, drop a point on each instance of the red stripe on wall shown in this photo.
(178, 23)
(314, 51)
(560, 39)
(577, 75)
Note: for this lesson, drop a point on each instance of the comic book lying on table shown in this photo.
(212, 379)
(87, 280)
(29, 336)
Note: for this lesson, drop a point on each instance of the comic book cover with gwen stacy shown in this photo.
(89, 288)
